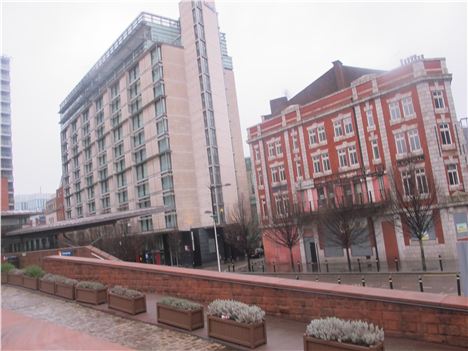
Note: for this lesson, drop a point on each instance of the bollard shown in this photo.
(316, 278)
(440, 264)
(339, 280)
(229, 268)
(390, 282)
(326, 265)
(297, 277)
(363, 281)
(263, 267)
(274, 267)
(233, 267)
(378, 264)
(458, 284)
(298, 266)
(359, 265)
(252, 267)
(397, 265)
(421, 288)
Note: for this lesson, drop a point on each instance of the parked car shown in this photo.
(257, 253)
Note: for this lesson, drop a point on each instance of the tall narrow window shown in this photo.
(321, 133)
(342, 157)
(298, 169)
(295, 143)
(400, 142)
(408, 109)
(338, 128)
(274, 175)
(370, 118)
(279, 150)
(375, 149)
(282, 173)
(348, 125)
(325, 162)
(453, 175)
(395, 113)
(407, 183)
(352, 155)
(438, 98)
(313, 136)
(445, 133)
(413, 137)
(271, 150)
(421, 181)
(316, 162)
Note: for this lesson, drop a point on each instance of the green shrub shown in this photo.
(180, 304)
(90, 285)
(33, 271)
(7, 266)
(346, 331)
(121, 291)
(235, 310)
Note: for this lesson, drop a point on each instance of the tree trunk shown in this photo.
(248, 260)
(348, 258)
(292, 259)
(423, 256)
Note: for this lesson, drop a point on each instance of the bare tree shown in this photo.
(243, 231)
(346, 224)
(286, 226)
(413, 201)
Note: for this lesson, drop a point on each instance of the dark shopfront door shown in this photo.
(313, 256)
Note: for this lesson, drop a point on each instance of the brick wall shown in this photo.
(37, 257)
(422, 316)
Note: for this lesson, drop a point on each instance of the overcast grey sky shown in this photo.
(277, 47)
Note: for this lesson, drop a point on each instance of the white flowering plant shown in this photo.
(237, 311)
(346, 331)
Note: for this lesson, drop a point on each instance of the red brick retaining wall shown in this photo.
(422, 316)
(37, 257)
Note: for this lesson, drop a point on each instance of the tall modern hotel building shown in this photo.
(155, 123)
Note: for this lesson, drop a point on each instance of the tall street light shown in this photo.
(215, 217)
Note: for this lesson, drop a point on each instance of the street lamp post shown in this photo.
(215, 217)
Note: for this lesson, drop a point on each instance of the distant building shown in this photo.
(54, 210)
(155, 122)
(32, 202)
(343, 135)
(251, 183)
(7, 192)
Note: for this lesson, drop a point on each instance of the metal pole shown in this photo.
(359, 264)
(339, 280)
(440, 263)
(421, 288)
(216, 242)
(458, 284)
(390, 282)
(363, 281)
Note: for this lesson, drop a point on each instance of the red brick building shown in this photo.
(360, 126)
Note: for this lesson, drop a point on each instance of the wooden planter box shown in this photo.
(30, 283)
(92, 296)
(313, 344)
(188, 320)
(132, 305)
(250, 335)
(47, 286)
(15, 279)
(4, 277)
(64, 290)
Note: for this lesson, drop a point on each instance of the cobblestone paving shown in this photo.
(132, 334)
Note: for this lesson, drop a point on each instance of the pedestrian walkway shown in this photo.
(143, 333)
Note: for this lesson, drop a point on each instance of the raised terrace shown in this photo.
(435, 318)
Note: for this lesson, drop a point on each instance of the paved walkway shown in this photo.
(55, 324)
(140, 331)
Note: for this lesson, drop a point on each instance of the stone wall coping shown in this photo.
(414, 298)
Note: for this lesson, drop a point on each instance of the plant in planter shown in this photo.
(6, 267)
(91, 292)
(237, 322)
(336, 334)
(180, 313)
(47, 283)
(31, 277)
(126, 300)
(15, 276)
(65, 287)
